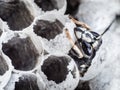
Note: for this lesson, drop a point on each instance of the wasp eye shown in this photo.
(88, 37)
(95, 35)
(78, 32)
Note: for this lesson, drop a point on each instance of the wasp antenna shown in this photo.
(108, 28)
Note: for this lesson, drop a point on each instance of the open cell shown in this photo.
(27, 82)
(48, 5)
(59, 72)
(55, 68)
(22, 53)
(47, 29)
(16, 14)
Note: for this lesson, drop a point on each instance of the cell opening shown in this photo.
(47, 5)
(22, 52)
(16, 14)
(27, 82)
(47, 29)
(55, 68)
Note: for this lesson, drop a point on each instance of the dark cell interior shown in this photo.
(27, 83)
(72, 6)
(55, 68)
(0, 32)
(48, 29)
(16, 14)
(46, 5)
(3, 65)
(22, 52)
(83, 86)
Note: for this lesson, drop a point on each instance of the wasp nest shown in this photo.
(36, 46)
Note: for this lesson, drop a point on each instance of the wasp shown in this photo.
(85, 47)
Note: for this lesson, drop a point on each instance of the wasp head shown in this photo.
(88, 42)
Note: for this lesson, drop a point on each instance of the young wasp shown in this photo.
(85, 47)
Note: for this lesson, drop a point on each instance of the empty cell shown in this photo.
(22, 52)
(27, 82)
(55, 68)
(59, 72)
(16, 14)
(47, 29)
(47, 5)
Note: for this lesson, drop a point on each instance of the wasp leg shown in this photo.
(79, 23)
(77, 50)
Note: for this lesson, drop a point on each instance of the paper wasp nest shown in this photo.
(34, 48)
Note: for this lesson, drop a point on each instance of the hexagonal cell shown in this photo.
(59, 72)
(22, 53)
(51, 28)
(55, 68)
(26, 81)
(47, 29)
(49, 5)
(16, 14)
